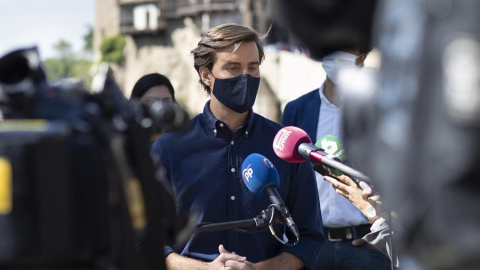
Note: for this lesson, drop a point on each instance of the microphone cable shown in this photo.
(272, 230)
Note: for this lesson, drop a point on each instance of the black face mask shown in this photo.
(237, 93)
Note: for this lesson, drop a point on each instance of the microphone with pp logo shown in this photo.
(261, 178)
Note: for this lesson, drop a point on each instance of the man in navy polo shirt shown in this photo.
(204, 165)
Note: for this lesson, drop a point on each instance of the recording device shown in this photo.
(334, 148)
(163, 116)
(261, 178)
(78, 188)
(293, 144)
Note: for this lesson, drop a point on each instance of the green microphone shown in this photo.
(334, 148)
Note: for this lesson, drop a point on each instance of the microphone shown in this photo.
(261, 178)
(334, 148)
(293, 145)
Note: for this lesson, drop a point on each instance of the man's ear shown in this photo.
(206, 76)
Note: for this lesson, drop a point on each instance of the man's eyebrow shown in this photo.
(238, 63)
(231, 63)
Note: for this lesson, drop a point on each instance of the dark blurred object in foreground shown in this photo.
(414, 128)
(324, 26)
(425, 136)
(78, 188)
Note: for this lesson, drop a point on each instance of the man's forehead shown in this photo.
(228, 49)
(232, 53)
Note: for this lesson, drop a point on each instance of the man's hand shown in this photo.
(358, 242)
(235, 265)
(362, 199)
(346, 187)
(175, 261)
(228, 260)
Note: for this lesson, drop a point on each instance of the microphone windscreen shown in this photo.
(334, 148)
(286, 143)
(258, 173)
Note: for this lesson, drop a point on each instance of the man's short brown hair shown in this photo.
(222, 37)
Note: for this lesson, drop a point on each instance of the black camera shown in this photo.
(78, 188)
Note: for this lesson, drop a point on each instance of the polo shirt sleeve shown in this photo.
(304, 206)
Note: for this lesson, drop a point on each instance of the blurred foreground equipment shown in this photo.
(324, 26)
(78, 189)
(414, 128)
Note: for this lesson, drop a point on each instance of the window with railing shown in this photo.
(138, 17)
(183, 3)
(179, 8)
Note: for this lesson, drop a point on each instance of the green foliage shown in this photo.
(88, 40)
(111, 49)
(63, 49)
(66, 64)
(54, 69)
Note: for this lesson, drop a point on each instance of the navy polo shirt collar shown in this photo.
(212, 123)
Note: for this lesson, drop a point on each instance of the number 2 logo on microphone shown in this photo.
(247, 174)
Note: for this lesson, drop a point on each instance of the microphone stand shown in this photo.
(263, 220)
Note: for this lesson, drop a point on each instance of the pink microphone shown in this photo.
(287, 141)
(293, 145)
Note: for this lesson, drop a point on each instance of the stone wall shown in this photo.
(107, 23)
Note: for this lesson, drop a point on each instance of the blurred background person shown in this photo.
(150, 89)
(153, 87)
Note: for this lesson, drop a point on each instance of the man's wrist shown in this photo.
(373, 219)
(371, 214)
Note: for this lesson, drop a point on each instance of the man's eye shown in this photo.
(253, 68)
(232, 68)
